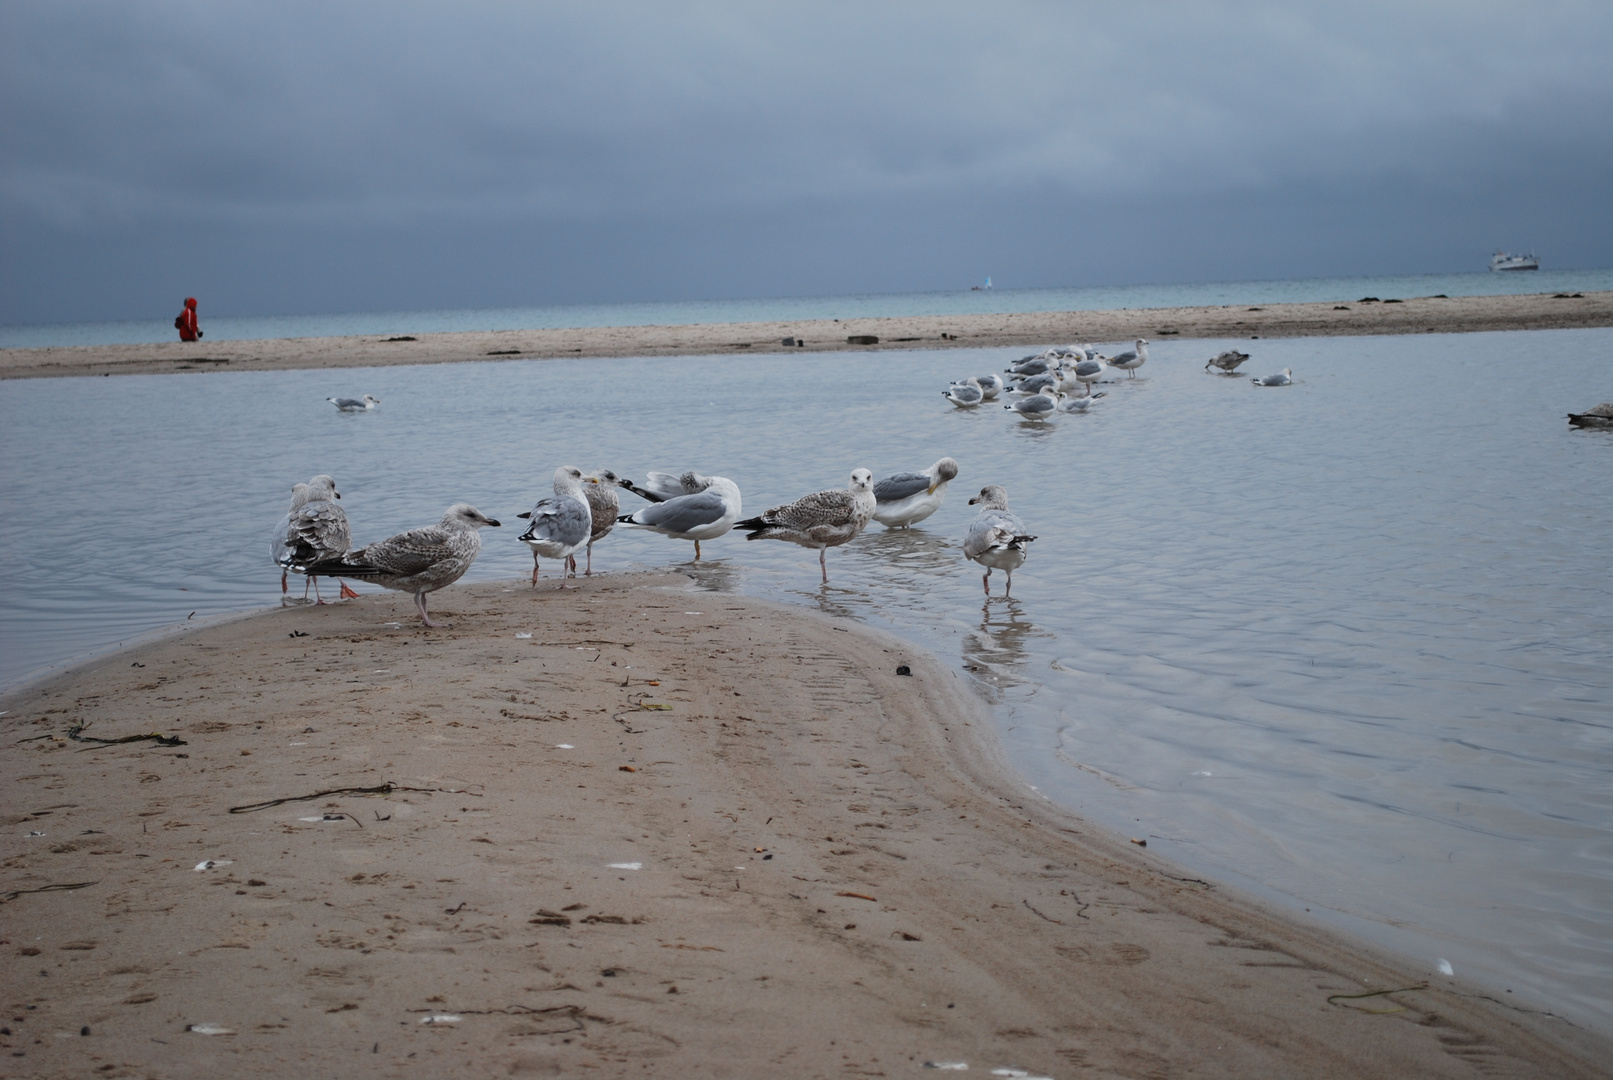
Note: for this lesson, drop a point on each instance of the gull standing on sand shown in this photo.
(561, 523)
(823, 520)
(965, 394)
(908, 498)
(1282, 378)
(1131, 361)
(314, 529)
(347, 404)
(707, 509)
(996, 538)
(418, 561)
(1227, 361)
(599, 489)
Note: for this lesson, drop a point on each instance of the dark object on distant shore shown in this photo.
(1568, 296)
(1599, 417)
(862, 339)
(1439, 296)
(1341, 307)
(403, 337)
(948, 337)
(788, 342)
(505, 352)
(1369, 300)
(1394, 301)
(1165, 333)
(904, 670)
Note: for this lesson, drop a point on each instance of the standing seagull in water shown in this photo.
(420, 560)
(561, 523)
(687, 507)
(1131, 361)
(908, 498)
(313, 530)
(599, 488)
(823, 520)
(996, 538)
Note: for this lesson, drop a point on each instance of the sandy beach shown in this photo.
(670, 833)
(1424, 315)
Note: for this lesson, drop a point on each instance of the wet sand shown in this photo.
(825, 869)
(1540, 311)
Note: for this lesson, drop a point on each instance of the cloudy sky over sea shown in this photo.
(313, 157)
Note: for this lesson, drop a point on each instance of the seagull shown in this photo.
(1032, 365)
(1131, 361)
(908, 498)
(1088, 371)
(1597, 416)
(314, 529)
(1036, 406)
(990, 385)
(347, 404)
(599, 489)
(1035, 384)
(1282, 378)
(1227, 361)
(561, 523)
(1073, 404)
(965, 394)
(996, 538)
(418, 561)
(708, 508)
(822, 520)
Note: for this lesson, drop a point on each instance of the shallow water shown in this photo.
(1348, 643)
(774, 309)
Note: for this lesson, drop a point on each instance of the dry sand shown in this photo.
(835, 874)
(1539, 311)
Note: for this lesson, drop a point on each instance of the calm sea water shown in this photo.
(1348, 643)
(692, 312)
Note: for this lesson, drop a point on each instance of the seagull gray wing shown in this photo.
(901, 486)
(683, 513)
(314, 532)
(566, 521)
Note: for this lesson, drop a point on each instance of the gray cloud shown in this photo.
(329, 157)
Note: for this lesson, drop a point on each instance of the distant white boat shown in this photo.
(981, 288)
(1502, 261)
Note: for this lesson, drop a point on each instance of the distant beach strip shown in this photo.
(1365, 316)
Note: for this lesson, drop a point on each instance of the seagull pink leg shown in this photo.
(985, 580)
(283, 574)
(697, 551)
(821, 553)
(534, 569)
(420, 605)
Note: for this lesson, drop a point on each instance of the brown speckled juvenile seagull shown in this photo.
(420, 560)
(823, 520)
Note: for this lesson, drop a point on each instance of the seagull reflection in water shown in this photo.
(995, 652)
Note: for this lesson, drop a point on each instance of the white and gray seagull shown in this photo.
(1131, 361)
(996, 538)
(418, 561)
(1227, 362)
(688, 506)
(561, 523)
(908, 498)
(347, 404)
(314, 529)
(1283, 378)
(822, 520)
(966, 393)
(1037, 406)
(990, 385)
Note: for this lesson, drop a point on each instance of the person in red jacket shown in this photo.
(186, 322)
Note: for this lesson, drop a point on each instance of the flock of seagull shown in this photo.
(314, 538)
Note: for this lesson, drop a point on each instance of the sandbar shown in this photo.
(1415, 315)
(631, 828)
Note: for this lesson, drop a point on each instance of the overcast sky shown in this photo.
(326, 157)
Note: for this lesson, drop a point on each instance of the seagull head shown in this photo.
(862, 480)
